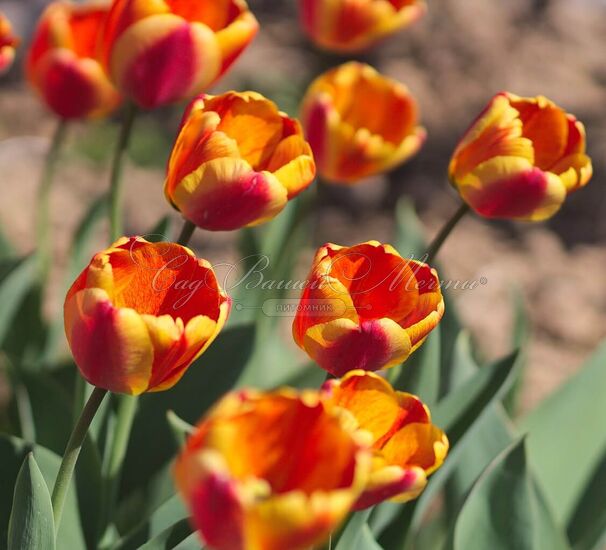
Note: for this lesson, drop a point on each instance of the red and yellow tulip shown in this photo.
(158, 52)
(8, 43)
(520, 159)
(360, 123)
(365, 307)
(62, 63)
(353, 25)
(407, 447)
(237, 162)
(271, 471)
(141, 313)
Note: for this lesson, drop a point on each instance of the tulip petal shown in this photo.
(293, 164)
(111, 346)
(392, 483)
(226, 194)
(342, 345)
(510, 188)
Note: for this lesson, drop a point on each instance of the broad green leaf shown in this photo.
(587, 527)
(498, 514)
(459, 409)
(353, 532)
(6, 248)
(15, 284)
(216, 372)
(170, 513)
(505, 509)
(13, 452)
(420, 374)
(31, 525)
(567, 441)
(170, 537)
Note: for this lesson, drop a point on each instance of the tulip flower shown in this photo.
(347, 26)
(167, 50)
(62, 61)
(407, 447)
(237, 162)
(360, 123)
(520, 159)
(271, 471)
(141, 313)
(8, 43)
(365, 307)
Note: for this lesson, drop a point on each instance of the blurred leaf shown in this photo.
(16, 279)
(520, 339)
(190, 543)
(170, 537)
(161, 231)
(170, 513)
(181, 429)
(6, 248)
(12, 454)
(567, 440)
(308, 375)
(410, 239)
(352, 537)
(503, 509)
(216, 372)
(31, 525)
(459, 409)
(587, 527)
(420, 374)
(150, 143)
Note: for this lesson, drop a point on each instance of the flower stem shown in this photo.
(70, 457)
(43, 233)
(116, 191)
(437, 243)
(186, 233)
(125, 417)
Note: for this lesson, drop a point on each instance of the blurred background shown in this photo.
(530, 47)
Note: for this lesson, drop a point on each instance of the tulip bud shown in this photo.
(360, 123)
(348, 26)
(406, 446)
(365, 307)
(271, 471)
(141, 313)
(237, 162)
(62, 61)
(8, 43)
(520, 159)
(167, 50)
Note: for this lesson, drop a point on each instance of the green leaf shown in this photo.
(19, 277)
(420, 374)
(505, 510)
(6, 248)
(181, 429)
(13, 452)
(459, 409)
(216, 372)
(353, 532)
(567, 441)
(31, 525)
(161, 231)
(410, 239)
(170, 537)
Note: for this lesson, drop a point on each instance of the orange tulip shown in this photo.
(62, 61)
(366, 307)
(8, 43)
(161, 51)
(360, 123)
(520, 159)
(354, 25)
(237, 162)
(407, 447)
(141, 313)
(271, 471)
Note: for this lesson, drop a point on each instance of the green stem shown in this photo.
(124, 422)
(70, 457)
(116, 205)
(186, 233)
(43, 226)
(437, 243)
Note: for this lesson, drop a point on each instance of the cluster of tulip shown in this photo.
(280, 469)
